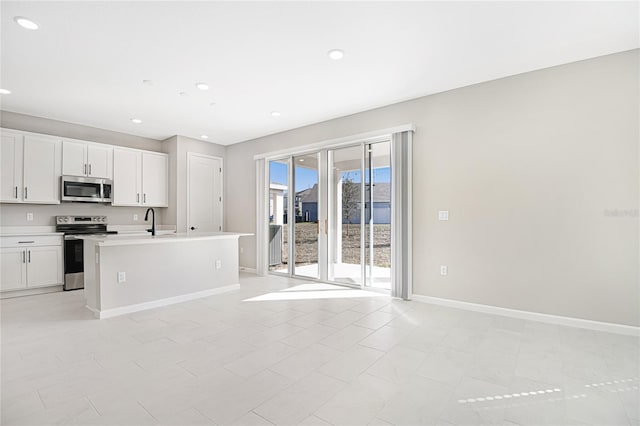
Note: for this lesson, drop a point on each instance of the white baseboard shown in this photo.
(30, 292)
(532, 316)
(108, 313)
(248, 270)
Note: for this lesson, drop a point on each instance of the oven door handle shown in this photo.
(71, 237)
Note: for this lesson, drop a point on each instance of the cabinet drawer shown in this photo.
(31, 240)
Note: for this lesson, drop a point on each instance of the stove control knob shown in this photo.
(66, 219)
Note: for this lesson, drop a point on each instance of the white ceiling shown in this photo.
(87, 61)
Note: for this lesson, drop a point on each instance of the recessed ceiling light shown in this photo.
(204, 136)
(147, 82)
(275, 113)
(5, 92)
(336, 54)
(202, 86)
(26, 23)
(136, 121)
(301, 160)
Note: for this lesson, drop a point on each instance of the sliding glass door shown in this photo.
(377, 226)
(278, 256)
(330, 212)
(305, 215)
(359, 237)
(345, 254)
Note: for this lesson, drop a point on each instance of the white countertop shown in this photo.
(121, 240)
(35, 231)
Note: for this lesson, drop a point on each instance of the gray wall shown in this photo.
(539, 172)
(16, 214)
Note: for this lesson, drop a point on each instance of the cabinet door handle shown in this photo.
(24, 256)
(26, 242)
(25, 192)
(89, 169)
(144, 198)
(138, 197)
(85, 169)
(29, 255)
(16, 192)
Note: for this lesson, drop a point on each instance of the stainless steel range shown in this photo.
(73, 226)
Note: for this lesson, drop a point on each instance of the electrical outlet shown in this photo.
(443, 215)
(122, 277)
(135, 217)
(218, 264)
(444, 270)
(29, 217)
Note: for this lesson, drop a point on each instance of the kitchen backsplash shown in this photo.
(44, 215)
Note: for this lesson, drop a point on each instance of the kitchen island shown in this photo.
(130, 273)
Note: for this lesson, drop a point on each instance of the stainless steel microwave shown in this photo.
(85, 189)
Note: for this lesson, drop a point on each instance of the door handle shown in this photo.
(326, 221)
(29, 256)
(25, 192)
(144, 198)
(193, 228)
(16, 192)
(24, 256)
(138, 197)
(89, 169)
(85, 168)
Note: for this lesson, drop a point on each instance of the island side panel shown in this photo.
(91, 275)
(160, 271)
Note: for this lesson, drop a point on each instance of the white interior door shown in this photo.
(204, 193)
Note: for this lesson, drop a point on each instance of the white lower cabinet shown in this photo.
(13, 269)
(30, 262)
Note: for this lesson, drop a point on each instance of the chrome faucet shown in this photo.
(153, 220)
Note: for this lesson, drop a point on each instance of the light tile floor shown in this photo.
(346, 359)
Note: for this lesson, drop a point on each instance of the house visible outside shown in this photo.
(306, 205)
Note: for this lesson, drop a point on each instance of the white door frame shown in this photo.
(190, 155)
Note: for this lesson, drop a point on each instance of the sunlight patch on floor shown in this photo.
(314, 291)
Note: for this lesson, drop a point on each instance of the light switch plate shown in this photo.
(218, 264)
(29, 217)
(135, 217)
(122, 277)
(444, 270)
(443, 215)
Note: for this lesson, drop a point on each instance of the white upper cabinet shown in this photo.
(100, 161)
(42, 168)
(155, 180)
(74, 158)
(11, 167)
(87, 159)
(127, 177)
(31, 168)
(140, 178)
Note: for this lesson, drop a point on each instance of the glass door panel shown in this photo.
(378, 215)
(345, 215)
(278, 198)
(306, 220)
